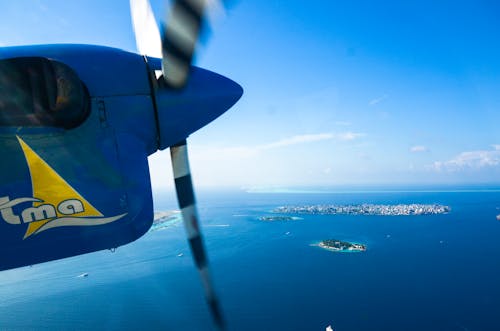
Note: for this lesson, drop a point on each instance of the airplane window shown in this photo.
(36, 92)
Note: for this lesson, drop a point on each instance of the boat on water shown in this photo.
(498, 217)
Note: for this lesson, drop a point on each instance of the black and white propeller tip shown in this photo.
(187, 204)
(179, 38)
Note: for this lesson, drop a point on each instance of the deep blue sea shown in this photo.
(438, 272)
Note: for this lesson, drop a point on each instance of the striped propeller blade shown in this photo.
(187, 204)
(179, 38)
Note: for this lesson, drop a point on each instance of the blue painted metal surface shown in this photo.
(181, 112)
(92, 182)
(105, 71)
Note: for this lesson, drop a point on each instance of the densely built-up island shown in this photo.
(341, 246)
(278, 218)
(366, 209)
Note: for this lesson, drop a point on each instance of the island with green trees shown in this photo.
(341, 246)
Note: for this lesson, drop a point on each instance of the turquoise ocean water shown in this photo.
(437, 272)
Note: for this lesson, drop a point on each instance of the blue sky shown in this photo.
(336, 93)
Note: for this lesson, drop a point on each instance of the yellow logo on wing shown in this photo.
(55, 202)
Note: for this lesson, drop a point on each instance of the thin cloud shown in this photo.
(418, 149)
(348, 136)
(470, 160)
(251, 151)
(300, 139)
(378, 100)
(42, 6)
(307, 138)
(49, 11)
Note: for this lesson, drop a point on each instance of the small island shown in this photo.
(164, 219)
(341, 246)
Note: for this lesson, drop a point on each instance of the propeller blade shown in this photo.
(147, 35)
(179, 38)
(187, 204)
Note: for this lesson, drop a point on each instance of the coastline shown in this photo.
(164, 219)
